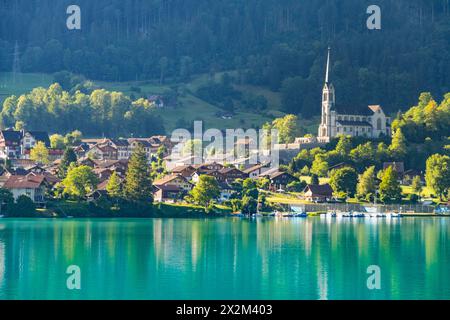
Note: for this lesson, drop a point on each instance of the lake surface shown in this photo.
(225, 258)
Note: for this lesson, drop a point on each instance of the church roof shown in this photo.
(354, 123)
(356, 110)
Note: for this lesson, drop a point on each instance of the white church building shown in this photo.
(371, 122)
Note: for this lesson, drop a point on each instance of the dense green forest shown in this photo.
(280, 44)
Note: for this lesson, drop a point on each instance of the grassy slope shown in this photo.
(25, 83)
(192, 107)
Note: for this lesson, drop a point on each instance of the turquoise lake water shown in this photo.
(225, 258)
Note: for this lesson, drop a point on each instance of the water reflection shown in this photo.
(309, 258)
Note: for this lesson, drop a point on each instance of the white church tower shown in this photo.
(327, 128)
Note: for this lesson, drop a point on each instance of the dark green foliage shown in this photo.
(343, 181)
(24, 207)
(279, 44)
(6, 201)
(249, 205)
(314, 179)
(296, 186)
(68, 157)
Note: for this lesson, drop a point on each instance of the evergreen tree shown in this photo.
(344, 145)
(138, 183)
(314, 179)
(114, 186)
(398, 145)
(67, 159)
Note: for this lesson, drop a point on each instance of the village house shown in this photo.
(278, 179)
(30, 138)
(10, 144)
(156, 100)
(31, 185)
(81, 150)
(144, 143)
(176, 180)
(206, 167)
(255, 171)
(103, 151)
(185, 171)
(123, 148)
(103, 174)
(86, 161)
(226, 191)
(230, 175)
(18, 144)
(171, 188)
(213, 173)
(318, 193)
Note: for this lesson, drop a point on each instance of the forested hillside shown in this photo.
(279, 44)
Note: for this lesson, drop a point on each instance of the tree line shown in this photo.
(95, 113)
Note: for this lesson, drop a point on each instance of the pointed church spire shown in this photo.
(328, 67)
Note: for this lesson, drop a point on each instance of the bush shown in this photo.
(24, 207)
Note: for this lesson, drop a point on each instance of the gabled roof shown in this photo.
(120, 142)
(354, 123)
(169, 178)
(30, 181)
(375, 108)
(168, 187)
(279, 174)
(228, 170)
(12, 135)
(320, 189)
(182, 168)
(254, 168)
(40, 136)
(355, 110)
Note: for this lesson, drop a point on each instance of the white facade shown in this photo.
(372, 124)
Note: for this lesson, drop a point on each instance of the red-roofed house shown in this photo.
(32, 185)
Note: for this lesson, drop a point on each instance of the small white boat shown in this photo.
(1, 216)
(394, 215)
(256, 215)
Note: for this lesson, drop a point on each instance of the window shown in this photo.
(352, 119)
(345, 129)
(379, 124)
